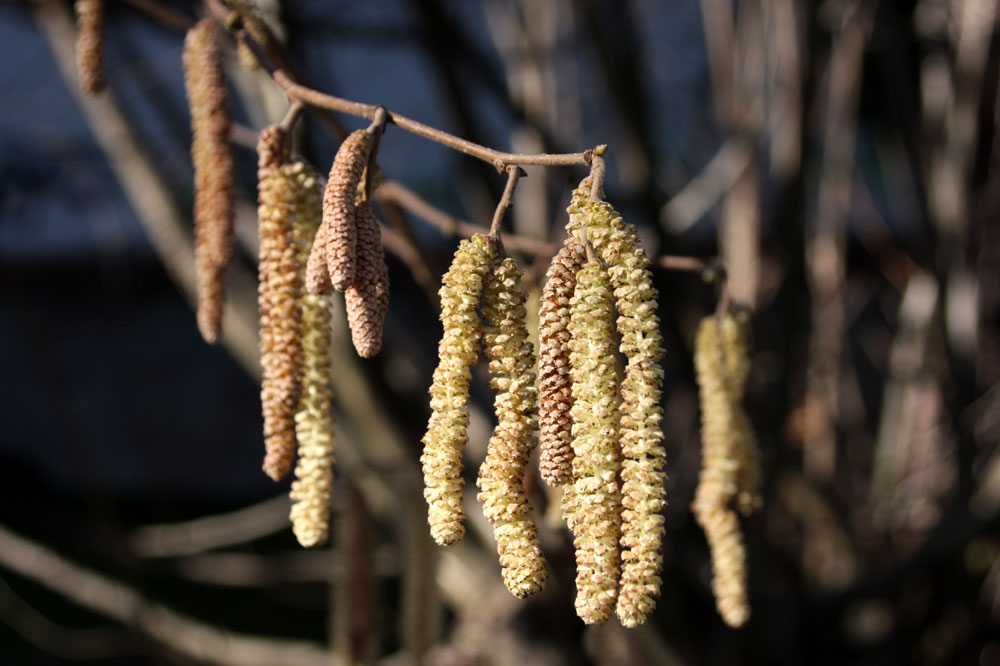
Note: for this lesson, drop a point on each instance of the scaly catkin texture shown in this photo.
(367, 300)
(280, 196)
(592, 504)
(717, 481)
(336, 242)
(735, 342)
(643, 456)
(501, 476)
(214, 175)
(310, 494)
(90, 45)
(555, 397)
(447, 430)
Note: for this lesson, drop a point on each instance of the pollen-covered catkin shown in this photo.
(717, 481)
(734, 330)
(555, 397)
(310, 493)
(447, 430)
(214, 175)
(592, 505)
(501, 476)
(367, 300)
(90, 45)
(280, 195)
(335, 246)
(643, 456)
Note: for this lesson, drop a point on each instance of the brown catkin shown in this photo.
(734, 329)
(592, 504)
(310, 494)
(367, 300)
(338, 231)
(280, 196)
(555, 397)
(214, 174)
(447, 429)
(643, 457)
(501, 476)
(90, 45)
(717, 481)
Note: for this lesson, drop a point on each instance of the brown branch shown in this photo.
(513, 175)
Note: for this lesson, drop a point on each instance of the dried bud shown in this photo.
(281, 198)
(214, 175)
(447, 430)
(338, 234)
(717, 481)
(643, 478)
(555, 384)
(90, 45)
(593, 502)
(367, 299)
(501, 476)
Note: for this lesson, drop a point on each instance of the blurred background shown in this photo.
(841, 157)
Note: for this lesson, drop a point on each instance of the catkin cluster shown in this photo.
(501, 476)
(90, 45)
(730, 466)
(214, 175)
(447, 430)
(642, 476)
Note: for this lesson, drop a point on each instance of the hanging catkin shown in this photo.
(212, 155)
(734, 330)
(447, 430)
(555, 396)
(280, 312)
(501, 476)
(335, 247)
(367, 300)
(717, 481)
(592, 505)
(643, 456)
(310, 494)
(90, 45)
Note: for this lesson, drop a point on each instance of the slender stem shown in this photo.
(292, 115)
(597, 171)
(513, 175)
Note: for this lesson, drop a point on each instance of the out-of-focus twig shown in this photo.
(709, 186)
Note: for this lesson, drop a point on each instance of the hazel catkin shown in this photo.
(501, 476)
(447, 429)
(214, 174)
(90, 45)
(734, 329)
(555, 397)
(367, 300)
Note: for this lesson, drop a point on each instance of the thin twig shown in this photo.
(162, 14)
(597, 171)
(513, 175)
(291, 116)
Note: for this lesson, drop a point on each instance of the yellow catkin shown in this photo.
(90, 45)
(367, 300)
(310, 513)
(555, 396)
(501, 476)
(447, 430)
(643, 457)
(735, 334)
(592, 504)
(280, 196)
(717, 481)
(214, 175)
(335, 246)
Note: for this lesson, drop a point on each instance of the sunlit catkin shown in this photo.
(734, 329)
(214, 176)
(310, 494)
(367, 300)
(501, 476)
(717, 481)
(335, 247)
(90, 45)
(280, 196)
(643, 456)
(555, 397)
(447, 430)
(593, 503)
